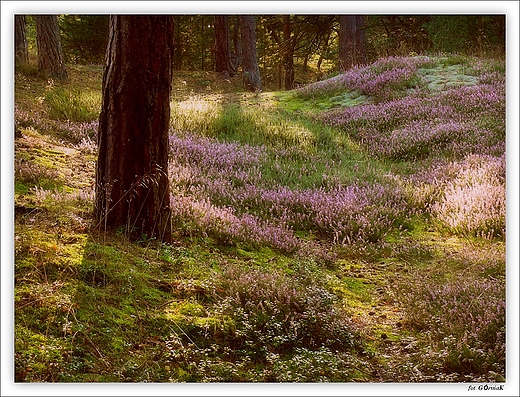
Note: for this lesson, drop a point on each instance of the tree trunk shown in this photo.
(361, 48)
(50, 54)
(177, 51)
(325, 50)
(251, 72)
(347, 41)
(20, 40)
(288, 62)
(132, 187)
(236, 56)
(223, 62)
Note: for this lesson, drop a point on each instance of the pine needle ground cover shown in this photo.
(352, 230)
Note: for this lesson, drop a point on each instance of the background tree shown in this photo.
(84, 38)
(132, 188)
(352, 49)
(478, 34)
(194, 42)
(314, 39)
(251, 71)
(288, 53)
(361, 49)
(313, 45)
(50, 54)
(236, 55)
(397, 35)
(347, 41)
(223, 61)
(177, 43)
(20, 40)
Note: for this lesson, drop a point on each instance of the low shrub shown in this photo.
(276, 313)
(474, 202)
(219, 188)
(464, 321)
(455, 122)
(381, 81)
(305, 365)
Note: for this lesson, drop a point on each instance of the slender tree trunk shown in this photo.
(288, 62)
(223, 62)
(48, 42)
(347, 41)
(325, 50)
(202, 49)
(361, 48)
(177, 51)
(236, 56)
(251, 71)
(20, 40)
(132, 188)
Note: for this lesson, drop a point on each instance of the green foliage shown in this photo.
(84, 38)
(467, 34)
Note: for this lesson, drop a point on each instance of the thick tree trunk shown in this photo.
(50, 54)
(132, 187)
(20, 40)
(251, 71)
(288, 62)
(223, 63)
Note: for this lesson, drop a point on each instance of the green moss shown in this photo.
(191, 309)
(21, 188)
(355, 292)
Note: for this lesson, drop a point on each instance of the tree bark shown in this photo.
(236, 55)
(251, 71)
(20, 40)
(177, 50)
(50, 54)
(352, 46)
(223, 63)
(288, 62)
(361, 48)
(347, 41)
(132, 187)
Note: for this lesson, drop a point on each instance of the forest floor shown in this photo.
(96, 307)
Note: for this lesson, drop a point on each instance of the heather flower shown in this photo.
(224, 224)
(474, 202)
(456, 121)
(83, 135)
(378, 80)
(228, 177)
(464, 318)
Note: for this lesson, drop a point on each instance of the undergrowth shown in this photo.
(350, 230)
